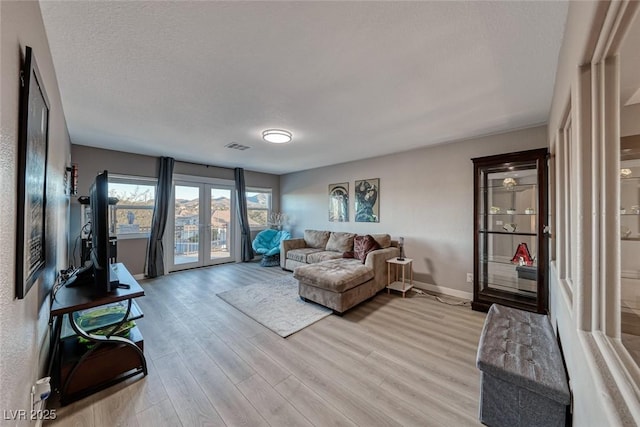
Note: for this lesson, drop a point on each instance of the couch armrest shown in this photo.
(287, 245)
(378, 261)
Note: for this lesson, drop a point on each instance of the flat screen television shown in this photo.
(105, 279)
(98, 273)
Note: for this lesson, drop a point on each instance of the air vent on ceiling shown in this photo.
(236, 146)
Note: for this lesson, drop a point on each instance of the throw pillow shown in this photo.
(340, 242)
(348, 254)
(316, 239)
(362, 245)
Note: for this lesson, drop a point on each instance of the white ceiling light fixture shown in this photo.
(277, 136)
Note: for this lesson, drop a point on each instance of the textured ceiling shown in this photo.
(351, 80)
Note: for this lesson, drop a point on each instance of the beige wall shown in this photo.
(426, 196)
(23, 323)
(630, 120)
(91, 161)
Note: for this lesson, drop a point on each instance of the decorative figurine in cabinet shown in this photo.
(510, 224)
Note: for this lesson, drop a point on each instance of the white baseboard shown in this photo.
(138, 276)
(443, 290)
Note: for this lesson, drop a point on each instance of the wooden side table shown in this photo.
(399, 285)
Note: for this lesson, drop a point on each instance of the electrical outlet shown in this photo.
(469, 277)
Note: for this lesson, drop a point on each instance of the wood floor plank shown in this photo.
(273, 407)
(229, 402)
(78, 414)
(190, 402)
(232, 365)
(348, 400)
(162, 414)
(268, 369)
(116, 409)
(390, 361)
(397, 332)
(315, 408)
(361, 376)
(340, 340)
(146, 391)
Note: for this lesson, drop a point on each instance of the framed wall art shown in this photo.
(33, 135)
(367, 203)
(339, 202)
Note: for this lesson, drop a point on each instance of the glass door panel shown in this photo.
(221, 224)
(509, 264)
(187, 226)
(203, 224)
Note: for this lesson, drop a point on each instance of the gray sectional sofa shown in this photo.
(326, 277)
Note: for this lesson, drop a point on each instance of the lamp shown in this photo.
(401, 246)
(276, 136)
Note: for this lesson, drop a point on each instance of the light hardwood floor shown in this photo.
(388, 362)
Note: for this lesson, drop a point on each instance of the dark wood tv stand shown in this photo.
(80, 369)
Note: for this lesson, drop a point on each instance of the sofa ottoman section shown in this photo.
(337, 284)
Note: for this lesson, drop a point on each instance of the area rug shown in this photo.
(276, 305)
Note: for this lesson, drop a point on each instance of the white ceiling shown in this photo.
(351, 80)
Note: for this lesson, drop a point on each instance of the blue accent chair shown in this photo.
(267, 244)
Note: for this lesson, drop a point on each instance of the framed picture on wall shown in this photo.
(33, 136)
(339, 202)
(367, 203)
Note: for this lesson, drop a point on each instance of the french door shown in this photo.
(203, 224)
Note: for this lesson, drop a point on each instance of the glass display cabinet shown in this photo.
(510, 231)
(630, 243)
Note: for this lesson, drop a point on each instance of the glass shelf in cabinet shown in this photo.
(515, 233)
(508, 214)
(505, 262)
(518, 187)
(512, 284)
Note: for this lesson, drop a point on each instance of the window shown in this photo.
(132, 215)
(258, 207)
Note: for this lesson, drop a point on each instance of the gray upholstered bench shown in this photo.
(523, 378)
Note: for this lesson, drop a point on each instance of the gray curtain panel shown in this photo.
(155, 250)
(245, 243)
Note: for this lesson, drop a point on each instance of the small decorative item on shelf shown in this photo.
(511, 227)
(622, 210)
(522, 255)
(277, 220)
(625, 232)
(494, 210)
(635, 209)
(509, 183)
(529, 211)
(401, 247)
(625, 173)
(511, 211)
